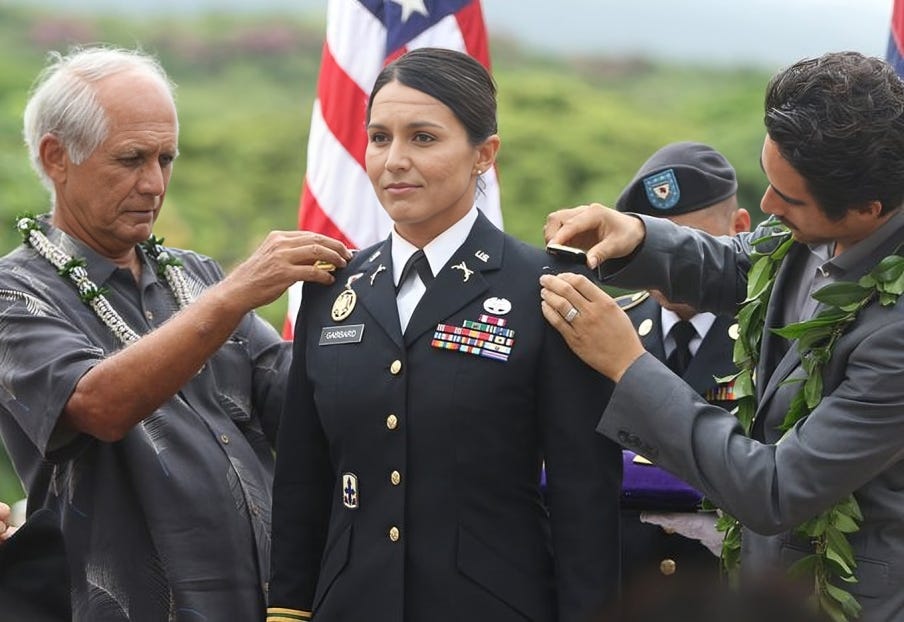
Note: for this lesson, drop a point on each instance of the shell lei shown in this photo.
(73, 268)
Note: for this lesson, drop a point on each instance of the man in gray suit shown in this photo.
(834, 159)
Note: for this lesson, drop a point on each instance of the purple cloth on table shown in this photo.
(647, 487)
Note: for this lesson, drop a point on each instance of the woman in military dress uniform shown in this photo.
(423, 402)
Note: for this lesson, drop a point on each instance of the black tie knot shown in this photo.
(682, 332)
(416, 263)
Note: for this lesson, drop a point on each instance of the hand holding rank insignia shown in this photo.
(569, 259)
(320, 264)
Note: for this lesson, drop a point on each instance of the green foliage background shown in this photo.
(573, 130)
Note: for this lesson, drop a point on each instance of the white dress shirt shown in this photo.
(438, 252)
(702, 323)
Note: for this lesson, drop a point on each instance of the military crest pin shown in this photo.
(350, 491)
(497, 306)
(380, 268)
(344, 304)
(662, 189)
(465, 271)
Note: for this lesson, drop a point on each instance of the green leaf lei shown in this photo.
(169, 267)
(816, 338)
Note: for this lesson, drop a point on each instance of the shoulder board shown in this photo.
(629, 301)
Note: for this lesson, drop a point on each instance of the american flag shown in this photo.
(895, 53)
(362, 36)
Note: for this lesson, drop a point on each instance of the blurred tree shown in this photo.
(573, 130)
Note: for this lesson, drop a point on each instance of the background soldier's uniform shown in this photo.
(678, 179)
(648, 551)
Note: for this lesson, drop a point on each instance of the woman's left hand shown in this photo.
(592, 323)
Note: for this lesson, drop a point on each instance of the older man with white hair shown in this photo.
(139, 393)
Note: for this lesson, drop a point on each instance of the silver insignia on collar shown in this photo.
(379, 269)
(465, 271)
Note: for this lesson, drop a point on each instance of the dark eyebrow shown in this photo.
(785, 197)
(411, 126)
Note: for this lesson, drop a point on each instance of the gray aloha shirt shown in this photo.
(172, 522)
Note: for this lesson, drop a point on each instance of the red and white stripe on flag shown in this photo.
(895, 50)
(362, 36)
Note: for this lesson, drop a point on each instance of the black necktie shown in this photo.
(417, 262)
(682, 333)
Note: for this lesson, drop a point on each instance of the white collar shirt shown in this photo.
(438, 251)
(702, 323)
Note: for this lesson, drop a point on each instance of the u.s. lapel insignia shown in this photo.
(645, 327)
(344, 304)
(482, 256)
(465, 271)
(379, 269)
(733, 332)
(497, 306)
(350, 491)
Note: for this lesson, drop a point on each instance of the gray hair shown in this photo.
(64, 102)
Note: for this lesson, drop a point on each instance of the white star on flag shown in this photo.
(411, 6)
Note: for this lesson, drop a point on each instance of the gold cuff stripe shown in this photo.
(280, 614)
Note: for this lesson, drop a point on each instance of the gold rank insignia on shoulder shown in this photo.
(629, 301)
(344, 304)
(281, 614)
(327, 266)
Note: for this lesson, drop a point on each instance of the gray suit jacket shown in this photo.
(852, 442)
